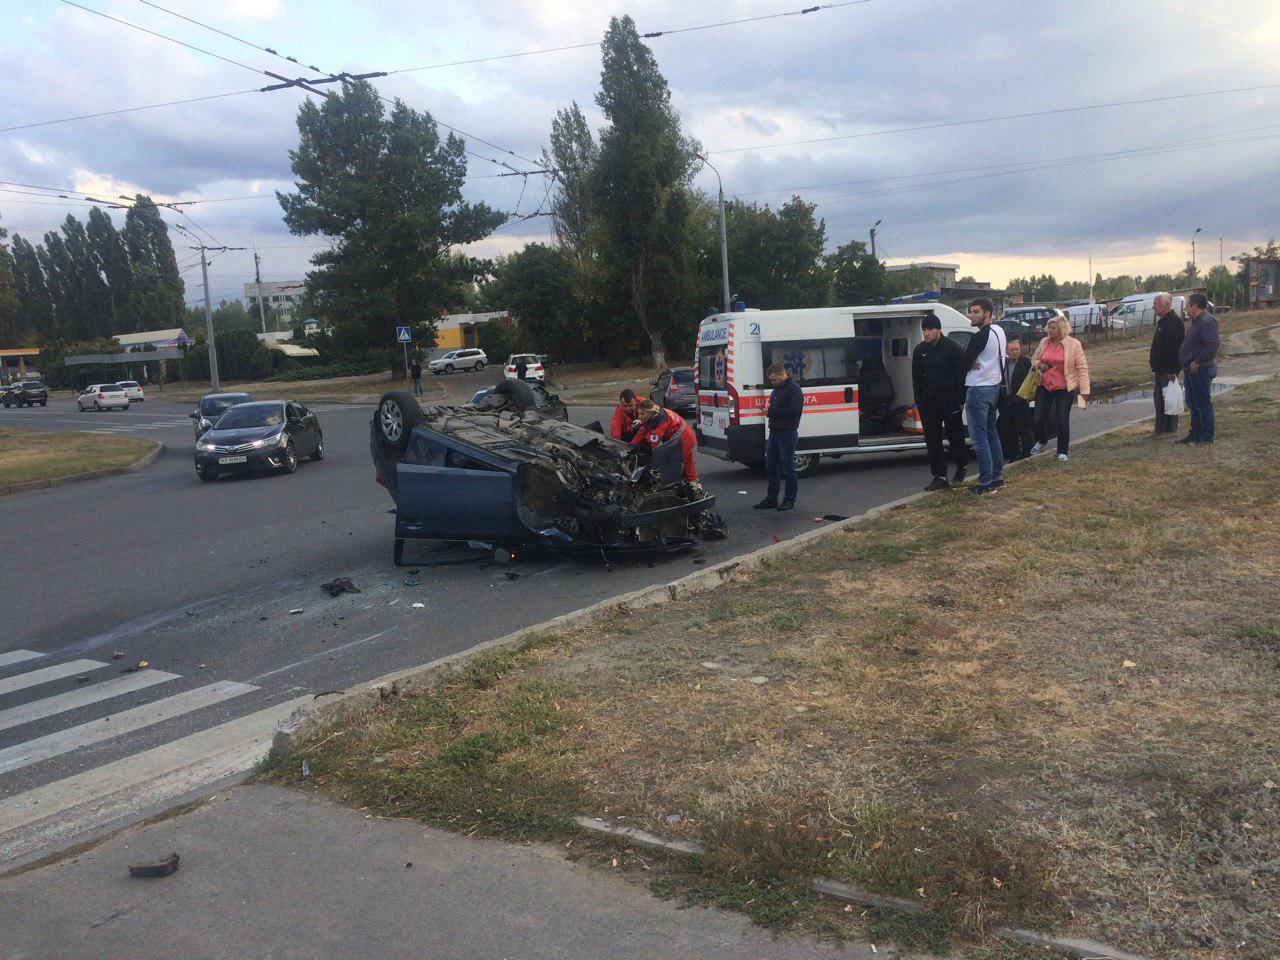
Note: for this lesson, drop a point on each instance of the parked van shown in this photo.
(1086, 316)
(1139, 310)
(853, 364)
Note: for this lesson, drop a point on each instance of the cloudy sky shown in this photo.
(1126, 184)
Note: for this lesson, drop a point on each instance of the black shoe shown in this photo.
(786, 505)
(765, 505)
(1185, 440)
(1203, 443)
(958, 476)
(980, 489)
(997, 483)
(938, 483)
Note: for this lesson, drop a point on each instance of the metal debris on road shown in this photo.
(418, 606)
(292, 612)
(834, 517)
(412, 582)
(338, 586)
(117, 655)
(161, 868)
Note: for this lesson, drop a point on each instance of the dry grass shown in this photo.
(335, 389)
(1054, 707)
(26, 455)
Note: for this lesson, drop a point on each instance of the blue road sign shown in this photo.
(403, 335)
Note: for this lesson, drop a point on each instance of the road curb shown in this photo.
(848, 893)
(144, 461)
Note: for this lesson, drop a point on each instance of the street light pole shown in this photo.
(208, 325)
(873, 238)
(724, 238)
(257, 279)
(1193, 254)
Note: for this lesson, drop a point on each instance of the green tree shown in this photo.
(35, 307)
(157, 293)
(1156, 282)
(1221, 283)
(856, 276)
(902, 283)
(573, 156)
(775, 256)
(388, 191)
(536, 286)
(112, 260)
(1189, 276)
(642, 188)
(10, 313)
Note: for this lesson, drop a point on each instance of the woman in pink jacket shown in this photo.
(1064, 375)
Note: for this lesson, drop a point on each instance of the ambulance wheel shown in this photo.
(806, 464)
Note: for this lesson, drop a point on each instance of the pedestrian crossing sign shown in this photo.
(403, 335)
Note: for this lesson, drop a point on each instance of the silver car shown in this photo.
(103, 396)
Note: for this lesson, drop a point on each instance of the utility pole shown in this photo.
(1091, 278)
(257, 279)
(1193, 254)
(214, 383)
(1220, 259)
(724, 238)
(873, 238)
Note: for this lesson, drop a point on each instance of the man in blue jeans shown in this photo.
(1198, 357)
(786, 404)
(984, 359)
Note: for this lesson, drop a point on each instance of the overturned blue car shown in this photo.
(499, 472)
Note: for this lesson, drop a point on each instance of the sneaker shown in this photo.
(1036, 448)
(765, 505)
(1062, 457)
(980, 489)
(1185, 440)
(786, 505)
(958, 476)
(938, 483)
(996, 484)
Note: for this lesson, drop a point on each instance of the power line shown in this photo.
(114, 113)
(1010, 116)
(229, 36)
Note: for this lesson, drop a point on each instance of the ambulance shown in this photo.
(853, 364)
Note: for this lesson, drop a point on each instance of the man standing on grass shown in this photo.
(1198, 357)
(937, 381)
(786, 404)
(415, 371)
(1016, 438)
(1165, 346)
(984, 358)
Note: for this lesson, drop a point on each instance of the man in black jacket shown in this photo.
(786, 404)
(1016, 437)
(1164, 359)
(937, 383)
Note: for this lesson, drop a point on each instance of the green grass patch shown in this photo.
(26, 455)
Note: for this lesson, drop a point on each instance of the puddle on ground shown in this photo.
(1216, 387)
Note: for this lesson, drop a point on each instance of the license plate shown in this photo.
(226, 460)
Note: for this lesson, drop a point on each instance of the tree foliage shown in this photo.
(856, 276)
(388, 191)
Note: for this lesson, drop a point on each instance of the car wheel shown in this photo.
(288, 459)
(318, 452)
(207, 475)
(393, 422)
(521, 394)
(479, 365)
(44, 403)
(806, 464)
(448, 368)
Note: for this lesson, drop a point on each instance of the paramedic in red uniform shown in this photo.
(623, 424)
(658, 424)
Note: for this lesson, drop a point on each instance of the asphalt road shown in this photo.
(202, 581)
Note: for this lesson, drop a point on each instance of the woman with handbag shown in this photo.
(1064, 376)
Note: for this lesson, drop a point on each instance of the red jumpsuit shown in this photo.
(620, 424)
(666, 428)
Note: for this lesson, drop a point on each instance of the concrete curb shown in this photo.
(848, 893)
(144, 461)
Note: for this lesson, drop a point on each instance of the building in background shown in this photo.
(1261, 281)
(280, 295)
(944, 274)
(455, 330)
(18, 363)
(160, 339)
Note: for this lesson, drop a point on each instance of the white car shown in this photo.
(534, 366)
(470, 359)
(103, 396)
(133, 390)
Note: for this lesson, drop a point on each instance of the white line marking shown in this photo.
(34, 677)
(74, 699)
(87, 734)
(321, 655)
(18, 656)
(66, 809)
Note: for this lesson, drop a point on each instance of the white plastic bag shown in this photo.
(1173, 399)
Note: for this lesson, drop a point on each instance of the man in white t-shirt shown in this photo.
(984, 358)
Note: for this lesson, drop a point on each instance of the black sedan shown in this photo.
(214, 405)
(26, 393)
(267, 435)
(675, 390)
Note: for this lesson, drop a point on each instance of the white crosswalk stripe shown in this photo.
(96, 731)
(32, 678)
(75, 699)
(18, 656)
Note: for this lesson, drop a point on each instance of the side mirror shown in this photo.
(194, 416)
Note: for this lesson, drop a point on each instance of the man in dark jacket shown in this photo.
(937, 382)
(1016, 436)
(1198, 357)
(1164, 359)
(786, 404)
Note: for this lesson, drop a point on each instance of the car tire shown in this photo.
(44, 403)
(318, 453)
(396, 415)
(289, 459)
(521, 394)
(806, 464)
(479, 366)
(207, 475)
(448, 368)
